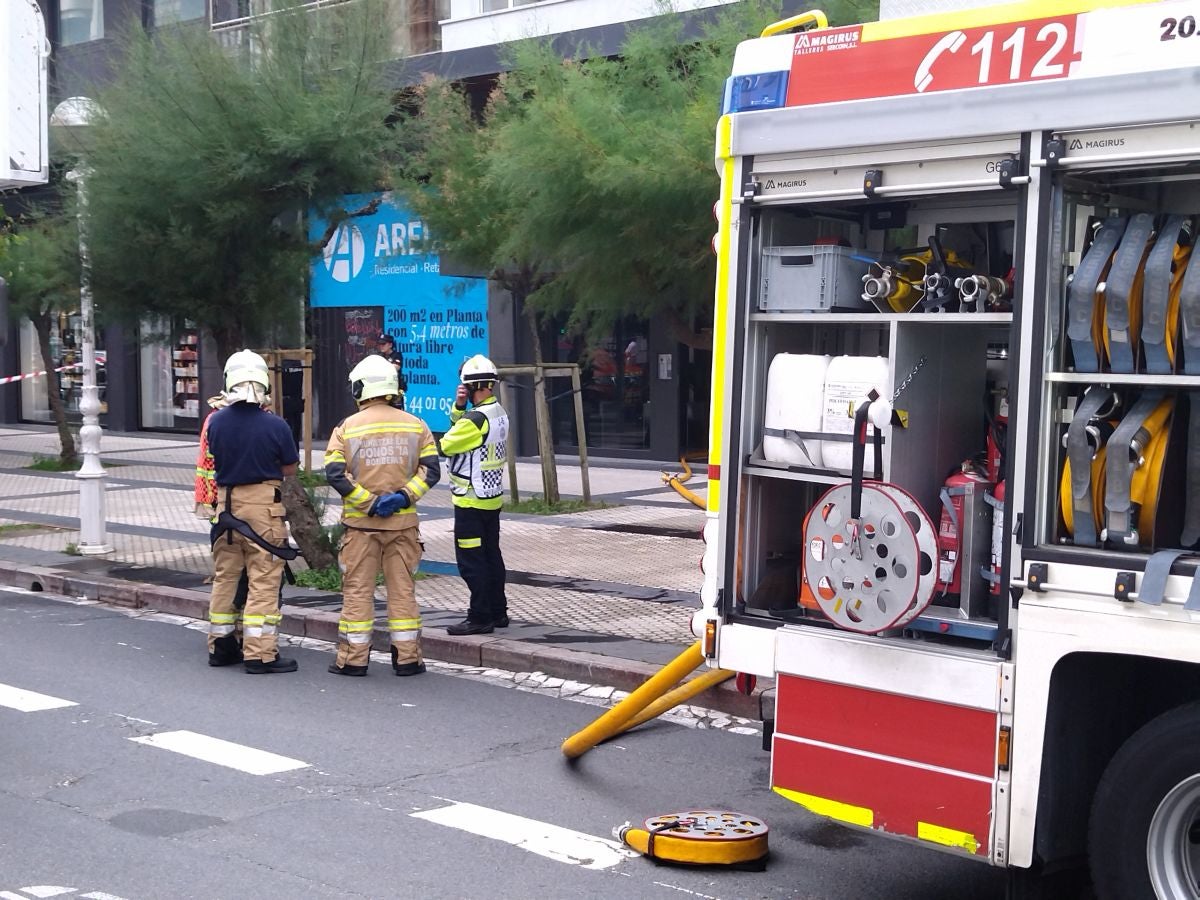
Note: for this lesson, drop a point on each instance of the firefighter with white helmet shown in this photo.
(252, 452)
(381, 460)
(477, 445)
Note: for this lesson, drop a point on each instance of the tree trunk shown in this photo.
(306, 526)
(541, 408)
(41, 324)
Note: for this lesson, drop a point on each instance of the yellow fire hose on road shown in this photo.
(676, 481)
(659, 694)
(695, 837)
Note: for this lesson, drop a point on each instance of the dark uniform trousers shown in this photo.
(477, 552)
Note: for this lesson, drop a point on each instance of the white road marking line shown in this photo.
(8, 895)
(550, 841)
(222, 753)
(100, 895)
(30, 701)
(684, 890)
(47, 890)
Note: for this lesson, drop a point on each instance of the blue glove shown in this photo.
(387, 504)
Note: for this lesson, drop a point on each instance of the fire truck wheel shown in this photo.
(1144, 832)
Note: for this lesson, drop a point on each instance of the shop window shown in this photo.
(616, 388)
(80, 21)
(169, 360)
(66, 343)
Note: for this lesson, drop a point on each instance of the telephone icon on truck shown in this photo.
(949, 43)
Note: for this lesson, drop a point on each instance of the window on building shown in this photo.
(169, 357)
(615, 388)
(497, 5)
(168, 11)
(80, 21)
(66, 355)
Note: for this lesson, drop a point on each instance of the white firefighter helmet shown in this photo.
(374, 377)
(479, 370)
(246, 366)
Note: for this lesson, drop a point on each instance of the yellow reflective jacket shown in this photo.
(381, 450)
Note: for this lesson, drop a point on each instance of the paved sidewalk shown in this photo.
(618, 582)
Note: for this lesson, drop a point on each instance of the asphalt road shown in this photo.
(436, 786)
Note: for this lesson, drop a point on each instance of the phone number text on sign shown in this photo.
(1036, 50)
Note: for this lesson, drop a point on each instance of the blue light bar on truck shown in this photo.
(767, 90)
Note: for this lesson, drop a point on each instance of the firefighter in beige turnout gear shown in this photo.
(382, 460)
(252, 452)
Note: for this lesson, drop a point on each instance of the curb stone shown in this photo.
(491, 651)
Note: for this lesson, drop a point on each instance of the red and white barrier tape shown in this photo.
(11, 378)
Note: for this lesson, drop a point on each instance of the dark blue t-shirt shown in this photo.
(249, 445)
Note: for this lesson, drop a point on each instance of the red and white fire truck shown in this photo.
(954, 475)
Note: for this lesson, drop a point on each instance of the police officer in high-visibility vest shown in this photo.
(252, 452)
(477, 445)
(382, 460)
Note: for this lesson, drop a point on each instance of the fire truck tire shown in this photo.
(1144, 831)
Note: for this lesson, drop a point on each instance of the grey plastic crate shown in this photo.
(812, 278)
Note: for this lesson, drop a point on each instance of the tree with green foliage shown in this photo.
(585, 186)
(448, 178)
(206, 161)
(39, 260)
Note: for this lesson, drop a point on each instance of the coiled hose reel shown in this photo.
(869, 548)
(700, 837)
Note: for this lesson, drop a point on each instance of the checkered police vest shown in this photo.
(483, 467)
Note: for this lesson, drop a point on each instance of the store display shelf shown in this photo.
(1189, 381)
(870, 318)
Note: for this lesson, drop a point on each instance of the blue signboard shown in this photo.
(373, 267)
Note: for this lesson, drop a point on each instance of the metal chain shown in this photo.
(908, 379)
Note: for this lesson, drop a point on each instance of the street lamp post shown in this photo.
(73, 115)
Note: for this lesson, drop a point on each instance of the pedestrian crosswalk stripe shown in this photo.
(29, 701)
(551, 841)
(222, 753)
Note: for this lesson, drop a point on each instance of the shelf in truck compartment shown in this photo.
(955, 626)
(1115, 378)
(757, 466)
(869, 318)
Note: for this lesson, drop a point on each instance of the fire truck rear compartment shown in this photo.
(952, 365)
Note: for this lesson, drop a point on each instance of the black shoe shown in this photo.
(224, 659)
(466, 626)
(501, 621)
(335, 669)
(409, 668)
(278, 664)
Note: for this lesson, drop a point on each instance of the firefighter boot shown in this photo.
(278, 664)
(409, 668)
(335, 669)
(227, 651)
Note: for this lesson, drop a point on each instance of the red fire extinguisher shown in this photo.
(965, 481)
(995, 499)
